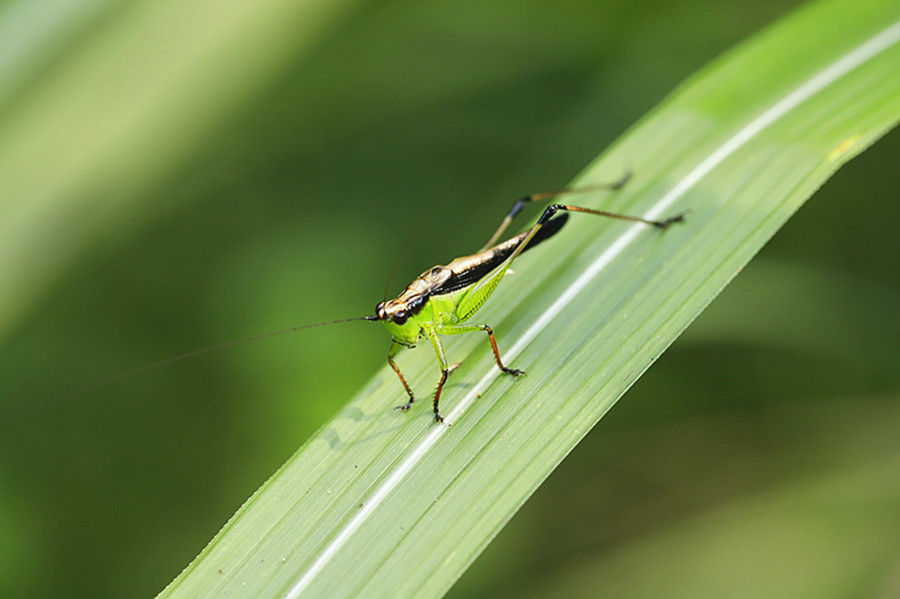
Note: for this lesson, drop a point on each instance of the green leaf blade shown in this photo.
(380, 503)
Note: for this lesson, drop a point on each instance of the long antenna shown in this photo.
(197, 352)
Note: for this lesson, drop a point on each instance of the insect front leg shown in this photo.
(470, 328)
(445, 372)
(395, 347)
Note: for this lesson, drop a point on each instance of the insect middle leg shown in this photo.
(471, 328)
(439, 350)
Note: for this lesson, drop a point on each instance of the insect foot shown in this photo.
(678, 218)
(405, 406)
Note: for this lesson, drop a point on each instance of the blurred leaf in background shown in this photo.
(173, 175)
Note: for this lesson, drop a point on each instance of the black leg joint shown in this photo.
(549, 212)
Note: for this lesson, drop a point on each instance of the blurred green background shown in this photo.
(174, 175)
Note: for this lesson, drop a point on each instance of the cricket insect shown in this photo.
(441, 299)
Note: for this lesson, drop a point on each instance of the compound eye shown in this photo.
(400, 317)
(379, 311)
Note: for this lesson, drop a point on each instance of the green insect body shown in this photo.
(441, 297)
(440, 300)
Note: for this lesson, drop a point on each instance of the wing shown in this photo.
(470, 269)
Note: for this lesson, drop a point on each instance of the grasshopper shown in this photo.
(441, 299)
